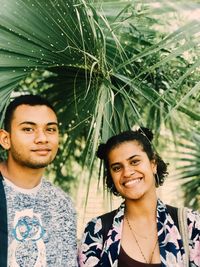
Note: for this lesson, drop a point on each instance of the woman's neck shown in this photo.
(141, 208)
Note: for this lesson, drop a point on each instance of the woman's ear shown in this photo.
(4, 139)
(154, 166)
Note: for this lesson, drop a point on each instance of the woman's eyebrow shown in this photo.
(131, 157)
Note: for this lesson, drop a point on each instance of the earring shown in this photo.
(157, 180)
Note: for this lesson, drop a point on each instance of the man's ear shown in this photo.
(4, 139)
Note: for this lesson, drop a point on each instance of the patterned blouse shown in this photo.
(92, 251)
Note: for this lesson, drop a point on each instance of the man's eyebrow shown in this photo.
(33, 123)
(27, 122)
(52, 123)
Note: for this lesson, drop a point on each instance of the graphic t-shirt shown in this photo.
(41, 226)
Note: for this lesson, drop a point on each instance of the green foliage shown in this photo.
(104, 66)
(188, 167)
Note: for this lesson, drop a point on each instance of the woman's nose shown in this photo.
(129, 171)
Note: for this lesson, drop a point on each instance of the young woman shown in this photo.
(143, 231)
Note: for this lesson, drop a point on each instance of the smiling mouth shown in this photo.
(131, 182)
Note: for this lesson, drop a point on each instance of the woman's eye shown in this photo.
(116, 168)
(135, 162)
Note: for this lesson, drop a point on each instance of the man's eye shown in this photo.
(28, 129)
(51, 129)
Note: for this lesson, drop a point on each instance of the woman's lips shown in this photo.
(131, 182)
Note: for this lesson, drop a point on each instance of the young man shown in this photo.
(37, 220)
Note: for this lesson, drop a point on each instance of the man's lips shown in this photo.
(41, 151)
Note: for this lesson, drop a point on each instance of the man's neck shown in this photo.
(21, 176)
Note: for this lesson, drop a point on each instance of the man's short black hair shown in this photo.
(29, 99)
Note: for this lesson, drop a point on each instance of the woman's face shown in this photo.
(131, 170)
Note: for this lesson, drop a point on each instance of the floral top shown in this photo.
(93, 252)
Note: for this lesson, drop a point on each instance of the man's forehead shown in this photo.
(36, 114)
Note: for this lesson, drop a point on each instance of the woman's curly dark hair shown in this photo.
(143, 136)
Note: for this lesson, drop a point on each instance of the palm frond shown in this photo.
(103, 65)
(188, 166)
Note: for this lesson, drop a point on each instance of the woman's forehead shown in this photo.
(125, 150)
(132, 144)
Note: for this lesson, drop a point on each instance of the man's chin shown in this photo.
(37, 165)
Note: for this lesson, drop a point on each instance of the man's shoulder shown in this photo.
(55, 190)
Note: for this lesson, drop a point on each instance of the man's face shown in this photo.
(33, 138)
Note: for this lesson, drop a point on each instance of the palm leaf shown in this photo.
(102, 65)
(188, 166)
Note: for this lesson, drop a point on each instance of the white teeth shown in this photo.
(132, 182)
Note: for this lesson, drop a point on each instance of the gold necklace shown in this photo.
(137, 243)
(144, 237)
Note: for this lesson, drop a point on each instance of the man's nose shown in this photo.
(40, 137)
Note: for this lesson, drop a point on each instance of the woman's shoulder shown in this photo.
(104, 222)
(107, 216)
(193, 216)
(103, 218)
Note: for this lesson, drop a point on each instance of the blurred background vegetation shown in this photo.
(107, 66)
